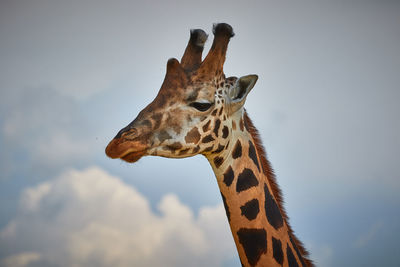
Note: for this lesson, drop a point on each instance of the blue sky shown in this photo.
(326, 105)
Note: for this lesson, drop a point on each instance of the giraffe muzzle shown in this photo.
(127, 146)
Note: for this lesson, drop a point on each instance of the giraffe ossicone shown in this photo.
(200, 111)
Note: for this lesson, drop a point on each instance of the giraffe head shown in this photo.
(194, 111)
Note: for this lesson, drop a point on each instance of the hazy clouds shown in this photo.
(89, 218)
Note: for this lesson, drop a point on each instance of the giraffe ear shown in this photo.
(238, 93)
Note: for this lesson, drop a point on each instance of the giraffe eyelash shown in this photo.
(201, 106)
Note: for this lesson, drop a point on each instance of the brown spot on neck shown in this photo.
(219, 149)
(225, 132)
(218, 161)
(229, 175)
(254, 242)
(246, 180)
(196, 149)
(207, 139)
(216, 127)
(237, 150)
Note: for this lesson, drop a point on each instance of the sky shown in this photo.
(73, 73)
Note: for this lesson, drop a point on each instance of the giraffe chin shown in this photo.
(133, 156)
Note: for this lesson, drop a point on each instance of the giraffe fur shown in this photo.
(200, 111)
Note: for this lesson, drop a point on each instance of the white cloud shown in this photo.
(90, 218)
(32, 196)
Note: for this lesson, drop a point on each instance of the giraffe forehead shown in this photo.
(188, 94)
(206, 93)
(197, 89)
(210, 85)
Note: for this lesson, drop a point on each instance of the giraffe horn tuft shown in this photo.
(223, 28)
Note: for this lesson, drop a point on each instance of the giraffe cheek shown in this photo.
(163, 135)
(193, 136)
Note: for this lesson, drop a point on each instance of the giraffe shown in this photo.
(200, 111)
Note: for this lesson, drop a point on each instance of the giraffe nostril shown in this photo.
(130, 134)
(126, 131)
(133, 132)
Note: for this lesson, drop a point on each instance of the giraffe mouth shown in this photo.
(126, 150)
(133, 156)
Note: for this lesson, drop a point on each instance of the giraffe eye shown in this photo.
(201, 106)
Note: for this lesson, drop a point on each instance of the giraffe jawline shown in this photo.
(133, 156)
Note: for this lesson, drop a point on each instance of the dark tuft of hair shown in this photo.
(223, 29)
(269, 173)
(198, 37)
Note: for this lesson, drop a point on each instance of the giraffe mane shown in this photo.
(269, 173)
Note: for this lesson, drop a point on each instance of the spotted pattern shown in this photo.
(251, 209)
(216, 127)
(290, 257)
(208, 149)
(193, 136)
(225, 132)
(219, 149)
(254, 242)
(277, 250)
(228, 176)
(237, 150)
(296, 249)
(220, 112)
(174, 146)
(206, 126)
(253, 155)
(218, 161)
(208, 139)
(184, 151)
(272, 211)
(246, 180)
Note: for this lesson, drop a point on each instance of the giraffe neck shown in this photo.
(252, 202)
